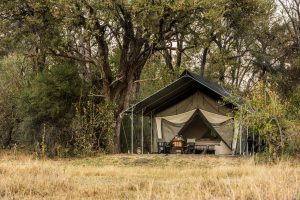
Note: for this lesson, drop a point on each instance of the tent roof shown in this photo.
(187, 84)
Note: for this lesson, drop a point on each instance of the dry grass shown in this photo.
(146, 177)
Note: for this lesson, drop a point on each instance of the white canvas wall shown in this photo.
(222, 149)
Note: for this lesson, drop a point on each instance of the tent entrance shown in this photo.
(207, 128)
(197, 128)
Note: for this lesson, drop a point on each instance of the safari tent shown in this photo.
(192, 108)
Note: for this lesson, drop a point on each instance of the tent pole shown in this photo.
(132, 130)
(151, 133)
(258, 143)
(235, 135)
(247, 147)
(241, 130)
(253, 143)
(142, 132)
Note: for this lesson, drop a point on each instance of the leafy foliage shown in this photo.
(265, 113)
(50, 101)
(51, 96)
(92, 128)
(11, 83)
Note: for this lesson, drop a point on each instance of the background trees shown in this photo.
(99, 56)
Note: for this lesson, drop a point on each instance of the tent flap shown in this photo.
(175, 119)
(169, 126)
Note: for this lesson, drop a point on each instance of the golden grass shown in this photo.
(146, 177)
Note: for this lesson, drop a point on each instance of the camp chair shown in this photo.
(160, 146)
(190, 146)
(167, 147)
(163, 147)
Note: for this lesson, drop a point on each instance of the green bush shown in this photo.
(49, 101)
(92, 128)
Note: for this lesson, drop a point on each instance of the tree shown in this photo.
(98, 33)
(288, 45)
(11, 83)
(113, 40)
(265, 113)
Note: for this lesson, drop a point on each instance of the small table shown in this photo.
(177, 145)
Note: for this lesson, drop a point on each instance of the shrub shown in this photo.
(92, 127)
(50, 101)
(266, 113)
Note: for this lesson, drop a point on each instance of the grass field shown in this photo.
(146, 177)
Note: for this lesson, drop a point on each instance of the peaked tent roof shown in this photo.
(219, 89)
(187, 84)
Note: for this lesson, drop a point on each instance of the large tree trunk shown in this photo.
(123, 100)
(121, 91)
(136, 47)
(203, 61)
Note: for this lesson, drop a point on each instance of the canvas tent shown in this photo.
(190, 106)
